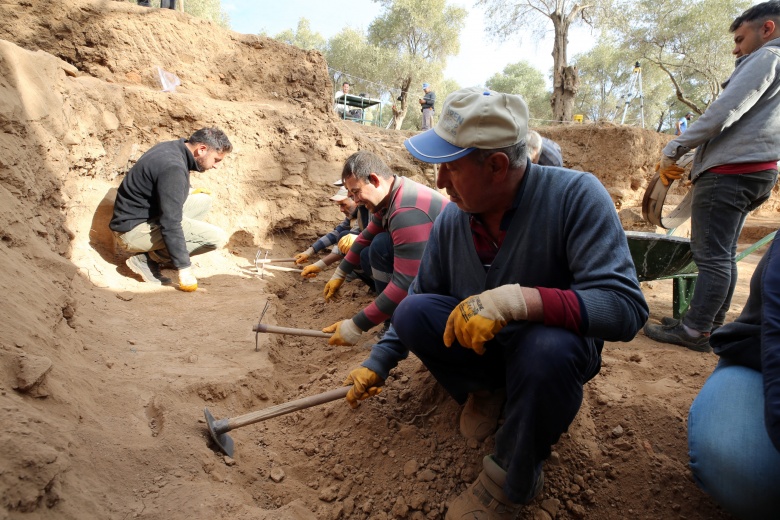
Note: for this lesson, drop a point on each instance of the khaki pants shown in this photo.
(200, 236)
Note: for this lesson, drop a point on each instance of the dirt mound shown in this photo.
(104, 379)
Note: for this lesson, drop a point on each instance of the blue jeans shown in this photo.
(720, 205)
(542, 369)
(732, 458)
(378, 260)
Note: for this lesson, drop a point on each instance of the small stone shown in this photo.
(551, 505)
(426, 475)
(125, 296)
(617, 432)
(230, 461)
(472, 443)
(554, 459)
(410, 468)
(418, 500)
(277, 475)
(329, 494)
(400, 509)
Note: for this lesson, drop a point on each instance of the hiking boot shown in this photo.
(480, 414)
(147, 269)
(677, 336)
(667, 321)
(485, 499)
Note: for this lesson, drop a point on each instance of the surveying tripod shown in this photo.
(634, 90)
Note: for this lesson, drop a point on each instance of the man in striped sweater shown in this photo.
(403, 212)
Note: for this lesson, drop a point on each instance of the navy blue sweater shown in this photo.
(154, 190)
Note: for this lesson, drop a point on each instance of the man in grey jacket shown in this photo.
(523, 278)
(737, 143)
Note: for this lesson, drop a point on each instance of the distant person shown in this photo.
(682, 124)
(737, 142)
(168, 4)
(158, 216)
(427, 102)
(144, 3)
(734, 422)
(543, 151)
(341, 239)
(342, 108)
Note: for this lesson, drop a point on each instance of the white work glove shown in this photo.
(345, 333)
(477, 319)
(302, 258)
(187, 281)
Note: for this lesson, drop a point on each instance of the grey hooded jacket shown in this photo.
(743, 124)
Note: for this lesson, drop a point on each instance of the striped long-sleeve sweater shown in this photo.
(408, 218)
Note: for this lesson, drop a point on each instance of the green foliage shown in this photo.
(689, 41)
(303, 37)
(522, 78)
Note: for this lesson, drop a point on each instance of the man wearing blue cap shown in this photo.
(522, 280)
(427, 102)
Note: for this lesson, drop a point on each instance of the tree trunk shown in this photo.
(566, 80)
(402, 104)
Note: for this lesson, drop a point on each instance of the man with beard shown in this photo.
(158, 216)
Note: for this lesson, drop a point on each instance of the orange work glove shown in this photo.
(345, 333)
(187, 281)
(310, 271)
(668, 170)
(365, 383)
(332, 288)
(477, 319)
(302, 258)
(346, 243)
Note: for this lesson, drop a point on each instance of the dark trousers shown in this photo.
(720, 205)
(377, 260)
(542, 369)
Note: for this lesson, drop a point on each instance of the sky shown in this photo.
(478, 60)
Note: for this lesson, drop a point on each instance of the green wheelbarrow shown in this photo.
(660, 257)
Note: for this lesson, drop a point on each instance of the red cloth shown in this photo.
(561, 309)
(736, 169)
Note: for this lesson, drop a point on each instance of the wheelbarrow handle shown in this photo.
(261, 327)
(282, 409)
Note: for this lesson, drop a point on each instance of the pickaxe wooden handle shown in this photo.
(261, 327)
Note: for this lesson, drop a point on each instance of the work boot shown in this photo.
(677, 335)
(480, 414)
(485, 499)
(147, 269)
(668, 321)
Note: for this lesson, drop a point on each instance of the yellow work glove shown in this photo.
(302, 258)
(346, 242)
(332, 288)
(365, 383)
(201, 190)
(187, 281)
(669, 173)
(310, 271)
(345, 333)
(478, 318)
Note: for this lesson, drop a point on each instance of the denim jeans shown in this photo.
(542, 369)
(732, 458)
(720, 205)
(378, 260)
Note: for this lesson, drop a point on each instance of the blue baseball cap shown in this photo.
(425, 85)
(472, 118)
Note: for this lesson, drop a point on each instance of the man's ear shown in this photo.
(200, 150)
(374, 179)
(768, 28)
(498, 164)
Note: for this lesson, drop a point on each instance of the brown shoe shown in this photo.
(480, 414)
(484, 499)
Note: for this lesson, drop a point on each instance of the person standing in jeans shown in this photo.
(737, 143)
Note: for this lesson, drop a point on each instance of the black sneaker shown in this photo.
(147, 269)
(667, 321)
(677, 336)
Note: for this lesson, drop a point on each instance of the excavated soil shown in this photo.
(103, 379)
